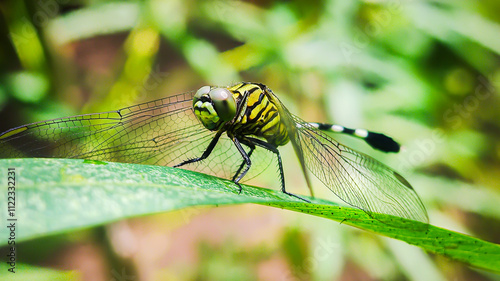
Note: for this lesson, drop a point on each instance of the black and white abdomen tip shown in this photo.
(376, 140)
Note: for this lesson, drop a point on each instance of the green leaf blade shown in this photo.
(62, 195)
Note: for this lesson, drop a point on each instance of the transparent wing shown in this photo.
(356, 178)
(162, 132)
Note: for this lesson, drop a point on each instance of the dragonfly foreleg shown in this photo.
(206, 153)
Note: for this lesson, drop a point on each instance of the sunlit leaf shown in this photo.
(61, 195)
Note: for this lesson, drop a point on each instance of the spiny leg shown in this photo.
(206, 153)
(252, 148)
(375, 140)
(275, 150)
(246, 161)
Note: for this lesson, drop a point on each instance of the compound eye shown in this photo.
(202, 91)
(224, 103)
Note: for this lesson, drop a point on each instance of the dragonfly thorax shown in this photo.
(214, 106)
(259, 115)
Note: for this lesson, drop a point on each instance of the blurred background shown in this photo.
(426, 73)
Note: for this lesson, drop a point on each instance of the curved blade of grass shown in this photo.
(61, 195)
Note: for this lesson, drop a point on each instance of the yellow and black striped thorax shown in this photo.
(259, 115)
(243, 109)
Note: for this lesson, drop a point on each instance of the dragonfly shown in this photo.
(217, 130)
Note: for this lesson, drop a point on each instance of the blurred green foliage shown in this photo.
(425, 72)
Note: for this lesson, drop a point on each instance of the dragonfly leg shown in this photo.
(275, 150)
(375, 140)
(252, 148)
(205, 154)
(246, 162)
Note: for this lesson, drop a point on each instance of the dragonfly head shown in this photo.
(214, 106)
